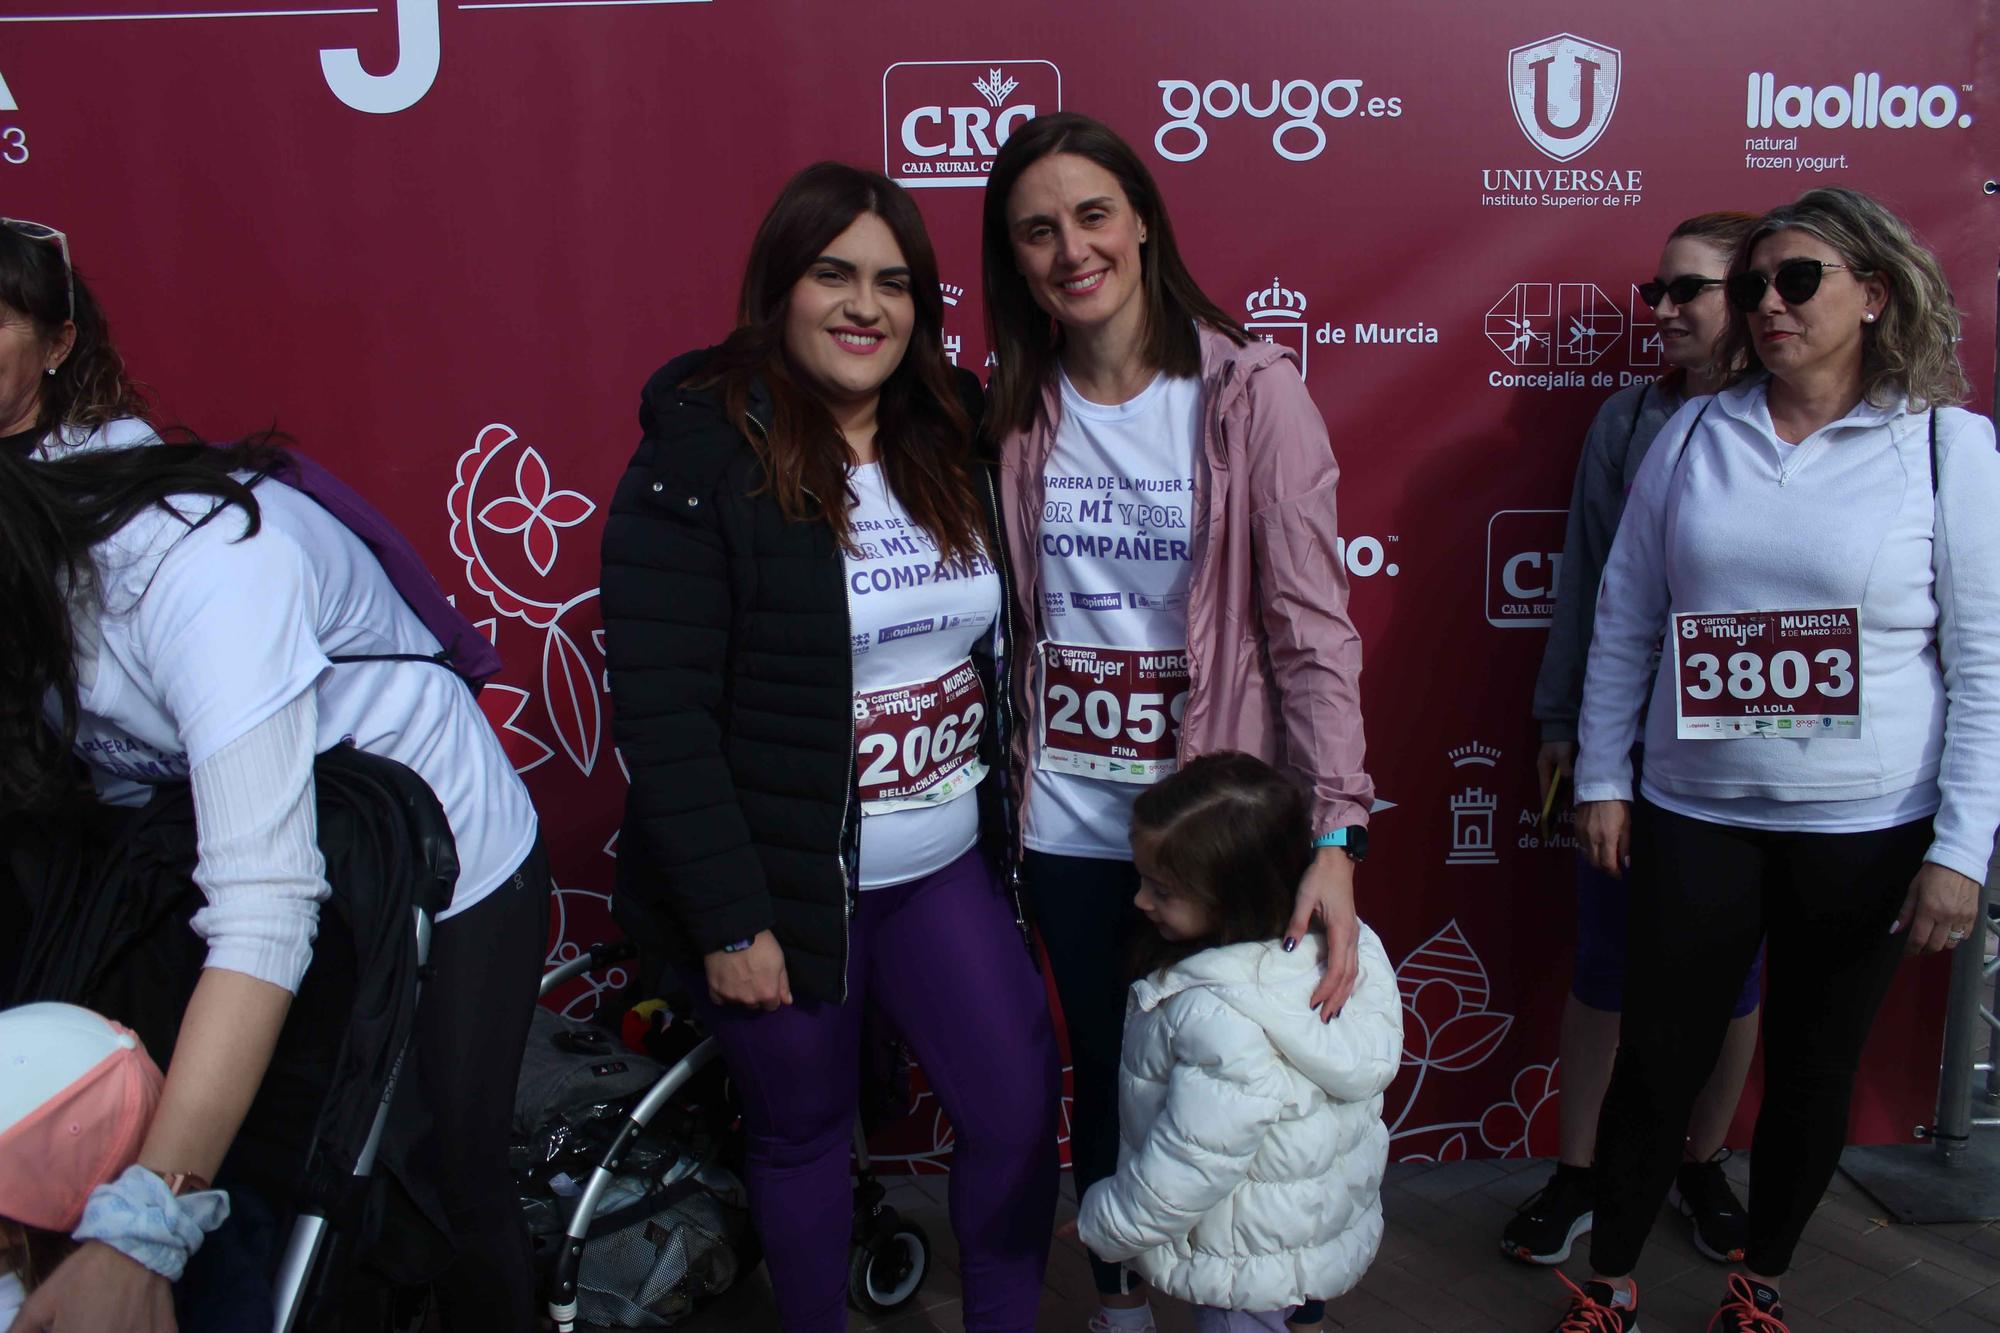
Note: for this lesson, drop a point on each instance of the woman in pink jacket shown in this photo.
(1169, 492)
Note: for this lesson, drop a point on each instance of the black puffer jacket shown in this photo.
(726, 629)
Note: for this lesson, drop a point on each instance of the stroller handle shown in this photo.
(563, 1304)
(596, 956)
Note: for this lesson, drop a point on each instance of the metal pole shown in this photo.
(1962, 1026)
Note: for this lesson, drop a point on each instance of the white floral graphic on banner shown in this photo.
(510, 516)
(1448, 1028)
(504, 490)
(536, 512)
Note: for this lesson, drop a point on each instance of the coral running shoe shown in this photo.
(1742, 1312)
(1592, 1309)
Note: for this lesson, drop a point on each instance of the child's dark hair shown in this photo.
(1232, 832)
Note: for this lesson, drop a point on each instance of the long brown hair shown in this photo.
(1725, 231)
(1911, 350)
(90, 387)
(1023, 338)
(52, 515)
(925, 432)
(1234, 834)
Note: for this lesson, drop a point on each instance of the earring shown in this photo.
(50, 371)
(1868, 318)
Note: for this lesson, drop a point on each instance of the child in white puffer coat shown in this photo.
(1252, 1144)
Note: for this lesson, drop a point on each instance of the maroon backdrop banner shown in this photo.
(443, 244)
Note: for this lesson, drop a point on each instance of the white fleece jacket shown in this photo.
(1252, 1144)
(1739, 520)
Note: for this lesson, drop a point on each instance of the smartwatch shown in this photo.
(1352, 839)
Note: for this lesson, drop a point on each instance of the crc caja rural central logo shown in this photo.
(1563, 90)
(1524, 550)
(943, 121)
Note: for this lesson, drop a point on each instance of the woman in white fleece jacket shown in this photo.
(1816, 546)
(1252, 1144)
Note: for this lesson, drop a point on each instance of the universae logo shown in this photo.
(943, 121)
(1563, 90)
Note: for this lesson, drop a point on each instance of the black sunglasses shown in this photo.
(1796, 280)
(1683, 289)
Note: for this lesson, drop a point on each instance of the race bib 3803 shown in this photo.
(1778, 674)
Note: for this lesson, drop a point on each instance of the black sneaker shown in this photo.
(1702, 1194)
(1546, 1226)
(1591, 1310)
(1747, 1310)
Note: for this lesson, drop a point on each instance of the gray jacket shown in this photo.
(1617, 443)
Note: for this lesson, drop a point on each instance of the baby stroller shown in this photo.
(109, 900)
(657, 1258)
(633, 1155)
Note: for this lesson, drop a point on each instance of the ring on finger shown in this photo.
(1955, 935)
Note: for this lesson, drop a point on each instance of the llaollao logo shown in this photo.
(1563, 90)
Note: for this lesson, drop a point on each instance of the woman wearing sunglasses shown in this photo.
(1816, 546)
(1691, 318)
(62, 384)
(804, 604)
(1170, 508)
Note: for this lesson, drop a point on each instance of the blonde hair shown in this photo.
(1911, 350)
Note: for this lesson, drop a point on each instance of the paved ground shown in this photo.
(1440, 1269)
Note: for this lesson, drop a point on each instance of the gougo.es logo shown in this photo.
(1299, 137)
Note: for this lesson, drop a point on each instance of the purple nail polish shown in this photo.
(1290, 944)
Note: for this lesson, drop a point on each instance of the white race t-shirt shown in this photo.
(204, 636)
(1115, 555)
(919, 705)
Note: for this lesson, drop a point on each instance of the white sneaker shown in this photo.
(1100, 1324)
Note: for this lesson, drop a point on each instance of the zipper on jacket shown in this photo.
(1003, 713)
(1201, 465)
(847, 887)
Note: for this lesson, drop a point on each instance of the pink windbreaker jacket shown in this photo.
(1274, 664)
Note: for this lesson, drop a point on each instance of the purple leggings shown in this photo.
(943, 960)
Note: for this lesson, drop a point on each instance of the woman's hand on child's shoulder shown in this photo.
(1327, 892)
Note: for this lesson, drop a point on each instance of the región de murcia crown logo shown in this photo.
(1277, 314)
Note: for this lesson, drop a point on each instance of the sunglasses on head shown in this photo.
(37, 231)
(1796, 280)
(1683, 289)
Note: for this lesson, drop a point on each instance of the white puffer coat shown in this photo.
(1252, 1143)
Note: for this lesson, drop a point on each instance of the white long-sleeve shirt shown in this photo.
(1727, 517)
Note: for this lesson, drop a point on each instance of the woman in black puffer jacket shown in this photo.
(804, 605)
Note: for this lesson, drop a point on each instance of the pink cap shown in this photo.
(76, 1094)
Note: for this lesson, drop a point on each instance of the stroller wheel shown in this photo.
(886, 1273)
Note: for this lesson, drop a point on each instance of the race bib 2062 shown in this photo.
(918, 744)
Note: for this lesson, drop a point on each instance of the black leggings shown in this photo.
(472, 1023)
(1702, 896)
(1083, 908)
